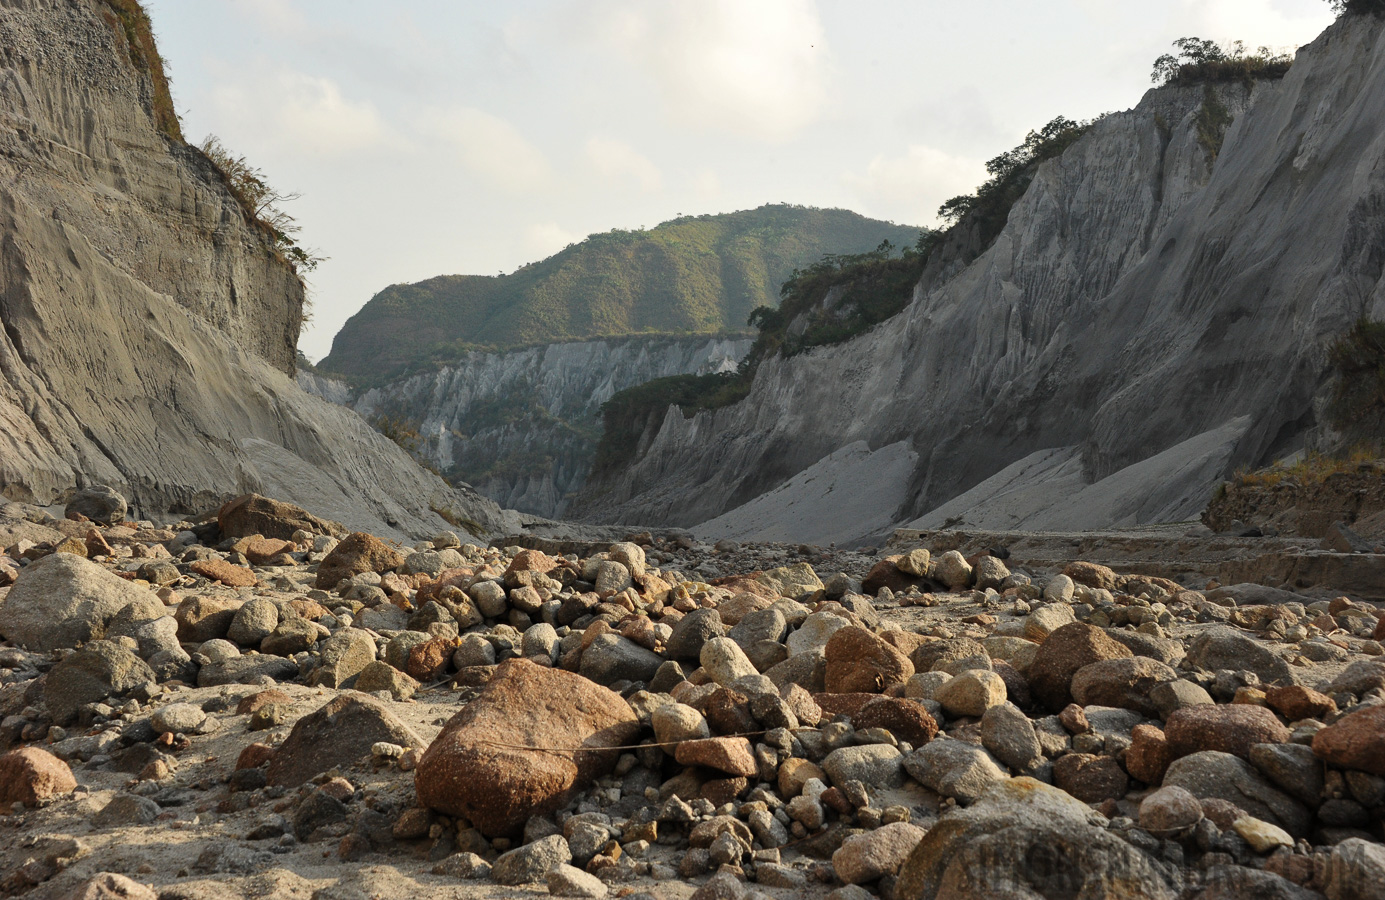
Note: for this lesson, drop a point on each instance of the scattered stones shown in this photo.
(1212, 774)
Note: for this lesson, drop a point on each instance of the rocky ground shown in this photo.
(260, 704)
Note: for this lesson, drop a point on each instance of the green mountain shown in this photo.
(692, 275)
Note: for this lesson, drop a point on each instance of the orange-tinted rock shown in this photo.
(480, 766)
(1147, 758)
(254, 756)
(526, 565)
(728, 712)
(30, 776)
(1297, 702)
(1355, 741)
(1091, 574)
(308, 609)
(731, 755)
(842, 704)
(248, 705)
(429, 660)
(907, 720)
(1380, 629)
(859, 661)
(261, 551)
(1062, 653)
(356, 554)
(227, 573)
(1227, 729)
(252, 514)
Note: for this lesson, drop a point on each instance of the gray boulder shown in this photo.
(1223, 647)
(532, 862)
(1212, 774)
(953, 768)
(64, 600)
(93, 673)
(99, 503)
(1023, 838)
(611, 658)
(692, 631)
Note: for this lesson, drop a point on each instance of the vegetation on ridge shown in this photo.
(1358, 7)
(692, 275)
(1200, 61)
(129, 21)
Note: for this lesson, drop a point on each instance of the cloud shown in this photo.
(1257, 22)
(547, 238)
(617, 161)
(909, 188)
(757, 69)
(489, 146)
(299, 112)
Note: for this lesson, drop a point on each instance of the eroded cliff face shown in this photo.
(522, 426)
(1146, 297)
(149, 327)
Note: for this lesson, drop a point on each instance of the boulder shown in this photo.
(863, 858)
(339, 733)
(99, 503)
(1169, 811)
(732, 755)
(814, 632)
(1356, 870)
(1293, 768)
(345, 655)
(1223, 647)
(953, 768)
(859, 661)
(1009, 735)
(789, 581)
(110, 886)
(1125, 683)
(63, 600)
(253, 622)
(481, 765)
(877, 765)
(908, 720)
(1355, 741)
(204, 618)
(251, 514)
(532, 862)
(1062, 654)
(1091, 574)
(247, 669)
(1214, 775)
(93, 673)
(357, 553)
(611, 658)
(692, 631)
(1231, 728)
(1090, 778)
(953, 570)
(971, 693)
(1023, 838)
(226, 573)
(30, 776)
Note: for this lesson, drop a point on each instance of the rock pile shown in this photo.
(912, 727)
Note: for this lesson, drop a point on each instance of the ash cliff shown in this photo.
(149, 324)
(1155, 313)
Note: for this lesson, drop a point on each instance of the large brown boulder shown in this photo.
(530, 740)
(861, 662)
(1060, 656)
(1355, 741)
(252, 514)
(30, 776)
(356, 554)
(1233, 728)
(338, 734)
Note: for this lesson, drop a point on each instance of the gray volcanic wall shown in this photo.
(149, 326)
(522, 425)
(1156, 311)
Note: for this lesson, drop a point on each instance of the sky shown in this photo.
(431, 137)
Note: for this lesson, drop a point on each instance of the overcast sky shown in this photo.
(433, 137)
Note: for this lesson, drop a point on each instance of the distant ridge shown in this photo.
(691, 275)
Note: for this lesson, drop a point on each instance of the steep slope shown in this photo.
(522, 426)
(149, 326)
(692, 275)
(1144, 292)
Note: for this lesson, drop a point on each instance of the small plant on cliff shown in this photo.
(1200, 61)
(1358, 7)
(1358, 358)
(262, 203)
